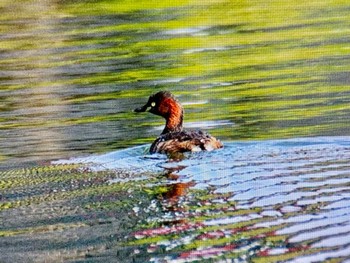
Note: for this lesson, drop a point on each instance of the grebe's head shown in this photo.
(162, 103)
(165, 104)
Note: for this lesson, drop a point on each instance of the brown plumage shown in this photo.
(173, 139)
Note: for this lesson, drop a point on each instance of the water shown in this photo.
(270, 201)
(71, 73)
(270, 79)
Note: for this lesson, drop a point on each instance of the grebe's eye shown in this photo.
(153, 104)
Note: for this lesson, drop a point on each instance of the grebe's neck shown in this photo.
(174, 118)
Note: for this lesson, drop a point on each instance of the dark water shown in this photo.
(270, 79)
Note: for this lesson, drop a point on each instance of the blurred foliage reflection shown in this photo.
(71, 72)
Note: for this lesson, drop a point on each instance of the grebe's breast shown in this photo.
(185, 141)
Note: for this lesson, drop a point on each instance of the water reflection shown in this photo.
(279, 200)
(275, 201)
(272, 200)
(71, 73)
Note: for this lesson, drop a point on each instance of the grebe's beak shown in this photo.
(141, 109)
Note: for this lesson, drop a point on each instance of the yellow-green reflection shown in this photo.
(73, 71)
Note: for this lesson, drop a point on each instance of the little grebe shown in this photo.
(174, 138)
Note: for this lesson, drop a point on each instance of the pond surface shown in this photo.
(271, 79)
(256, 201)
(71, 73)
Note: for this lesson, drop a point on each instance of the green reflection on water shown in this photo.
(71, 73)
(272, 69)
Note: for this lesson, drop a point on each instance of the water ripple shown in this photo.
(288, 197)
(277, 200)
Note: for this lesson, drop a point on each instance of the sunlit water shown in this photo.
(71, 73)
